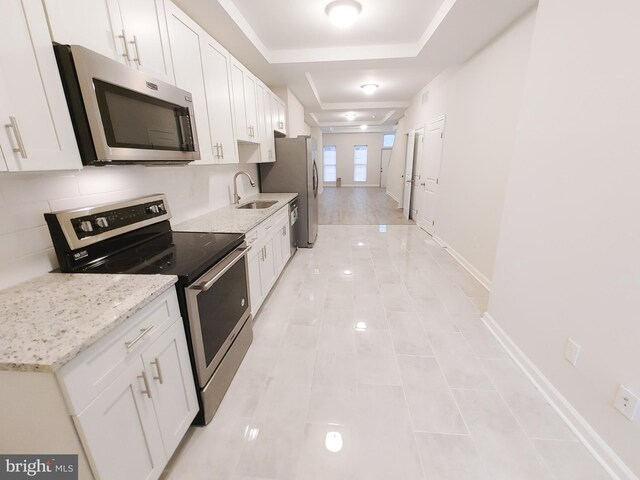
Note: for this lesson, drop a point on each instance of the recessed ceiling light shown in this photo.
(369, 88)
(343, 12)
(350, 116)
(363, 127)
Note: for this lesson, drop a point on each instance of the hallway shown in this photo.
(359, 206)
(370, 362)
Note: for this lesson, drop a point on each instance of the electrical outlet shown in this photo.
(572, 351)
(626, 402)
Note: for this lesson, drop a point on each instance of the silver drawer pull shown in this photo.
(146, 391)
(13, 124)
(135, 44)
(126, 45)
(156, 362)
(143, 332)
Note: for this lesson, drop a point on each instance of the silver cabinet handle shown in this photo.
(146, 391)
(424, 184)
(156, 362)
(221, 151)
(135, 44)
(143, 332)
(126, 53)
(13, 124)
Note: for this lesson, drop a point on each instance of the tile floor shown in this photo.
(370, 362)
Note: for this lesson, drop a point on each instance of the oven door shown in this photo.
(218, 307)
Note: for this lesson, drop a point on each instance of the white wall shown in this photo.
(25, 244)
(344, 143)
(568, 262)
(481, 100)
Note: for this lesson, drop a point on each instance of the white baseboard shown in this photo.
(393, 196)
(596, 445)
(477, 274)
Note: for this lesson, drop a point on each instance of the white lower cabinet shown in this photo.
(268, 255)
(131, 424)
(120, 430)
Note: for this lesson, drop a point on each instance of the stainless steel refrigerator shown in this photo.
(295, 171)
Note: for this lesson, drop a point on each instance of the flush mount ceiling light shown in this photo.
(343, 12)
(363, 127)
(350, 116)
(369, 88)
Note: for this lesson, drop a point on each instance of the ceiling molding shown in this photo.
(337, 54)
(312, 84)
(314, 118)
(363, 105)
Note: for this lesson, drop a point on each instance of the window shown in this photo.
(329, 163)
(388, 139)
(359, 163)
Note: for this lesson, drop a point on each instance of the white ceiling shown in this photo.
(400, 45)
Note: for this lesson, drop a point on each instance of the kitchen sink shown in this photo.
(258, 205)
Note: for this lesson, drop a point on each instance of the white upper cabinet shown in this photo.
(265, 124)
(279, 122)
(36, 132)
(217, 76)
(130, 31)
(244, 102)
(185, 39)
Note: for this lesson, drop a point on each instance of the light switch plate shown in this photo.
(626, 402)
(572, 351)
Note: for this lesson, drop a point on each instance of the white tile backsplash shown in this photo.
(25, 244)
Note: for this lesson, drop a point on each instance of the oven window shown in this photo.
(133, 120)
(221, 307)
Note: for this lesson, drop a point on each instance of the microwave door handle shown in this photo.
(239, 252)
(185, 131)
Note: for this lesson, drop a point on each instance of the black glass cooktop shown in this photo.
(186, 254)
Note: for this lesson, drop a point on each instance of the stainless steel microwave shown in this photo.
(124, 116)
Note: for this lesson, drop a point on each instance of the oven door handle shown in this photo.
(233, 258)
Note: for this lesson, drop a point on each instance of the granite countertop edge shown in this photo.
(108, 320)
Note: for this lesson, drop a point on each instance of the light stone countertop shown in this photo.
(231, 219)
(48, 321)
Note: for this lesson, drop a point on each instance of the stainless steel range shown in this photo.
(135, 236)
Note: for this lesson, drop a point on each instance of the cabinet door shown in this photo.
(94, 24)
(217, 77)
(184, 35)
(267, 142)
(268, 266)
(284, 240)
(119, 429)
(172, 386)
(41, 136)
(145, 25)
(255, 285)
(250, 98)
(239, 107)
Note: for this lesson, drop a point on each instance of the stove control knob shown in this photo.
(102, 222)
(161, 207)
(86, 226)
(153, 209)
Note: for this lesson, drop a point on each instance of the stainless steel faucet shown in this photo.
(236, 197)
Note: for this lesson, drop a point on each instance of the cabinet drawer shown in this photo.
(281, 215)
(251, 236)
(265, 228)
(92, 370)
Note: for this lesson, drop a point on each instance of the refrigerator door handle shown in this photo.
(315, 180)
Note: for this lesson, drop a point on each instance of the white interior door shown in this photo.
(408, 172)
(416, 189)
(430, 180)
(385, 158)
